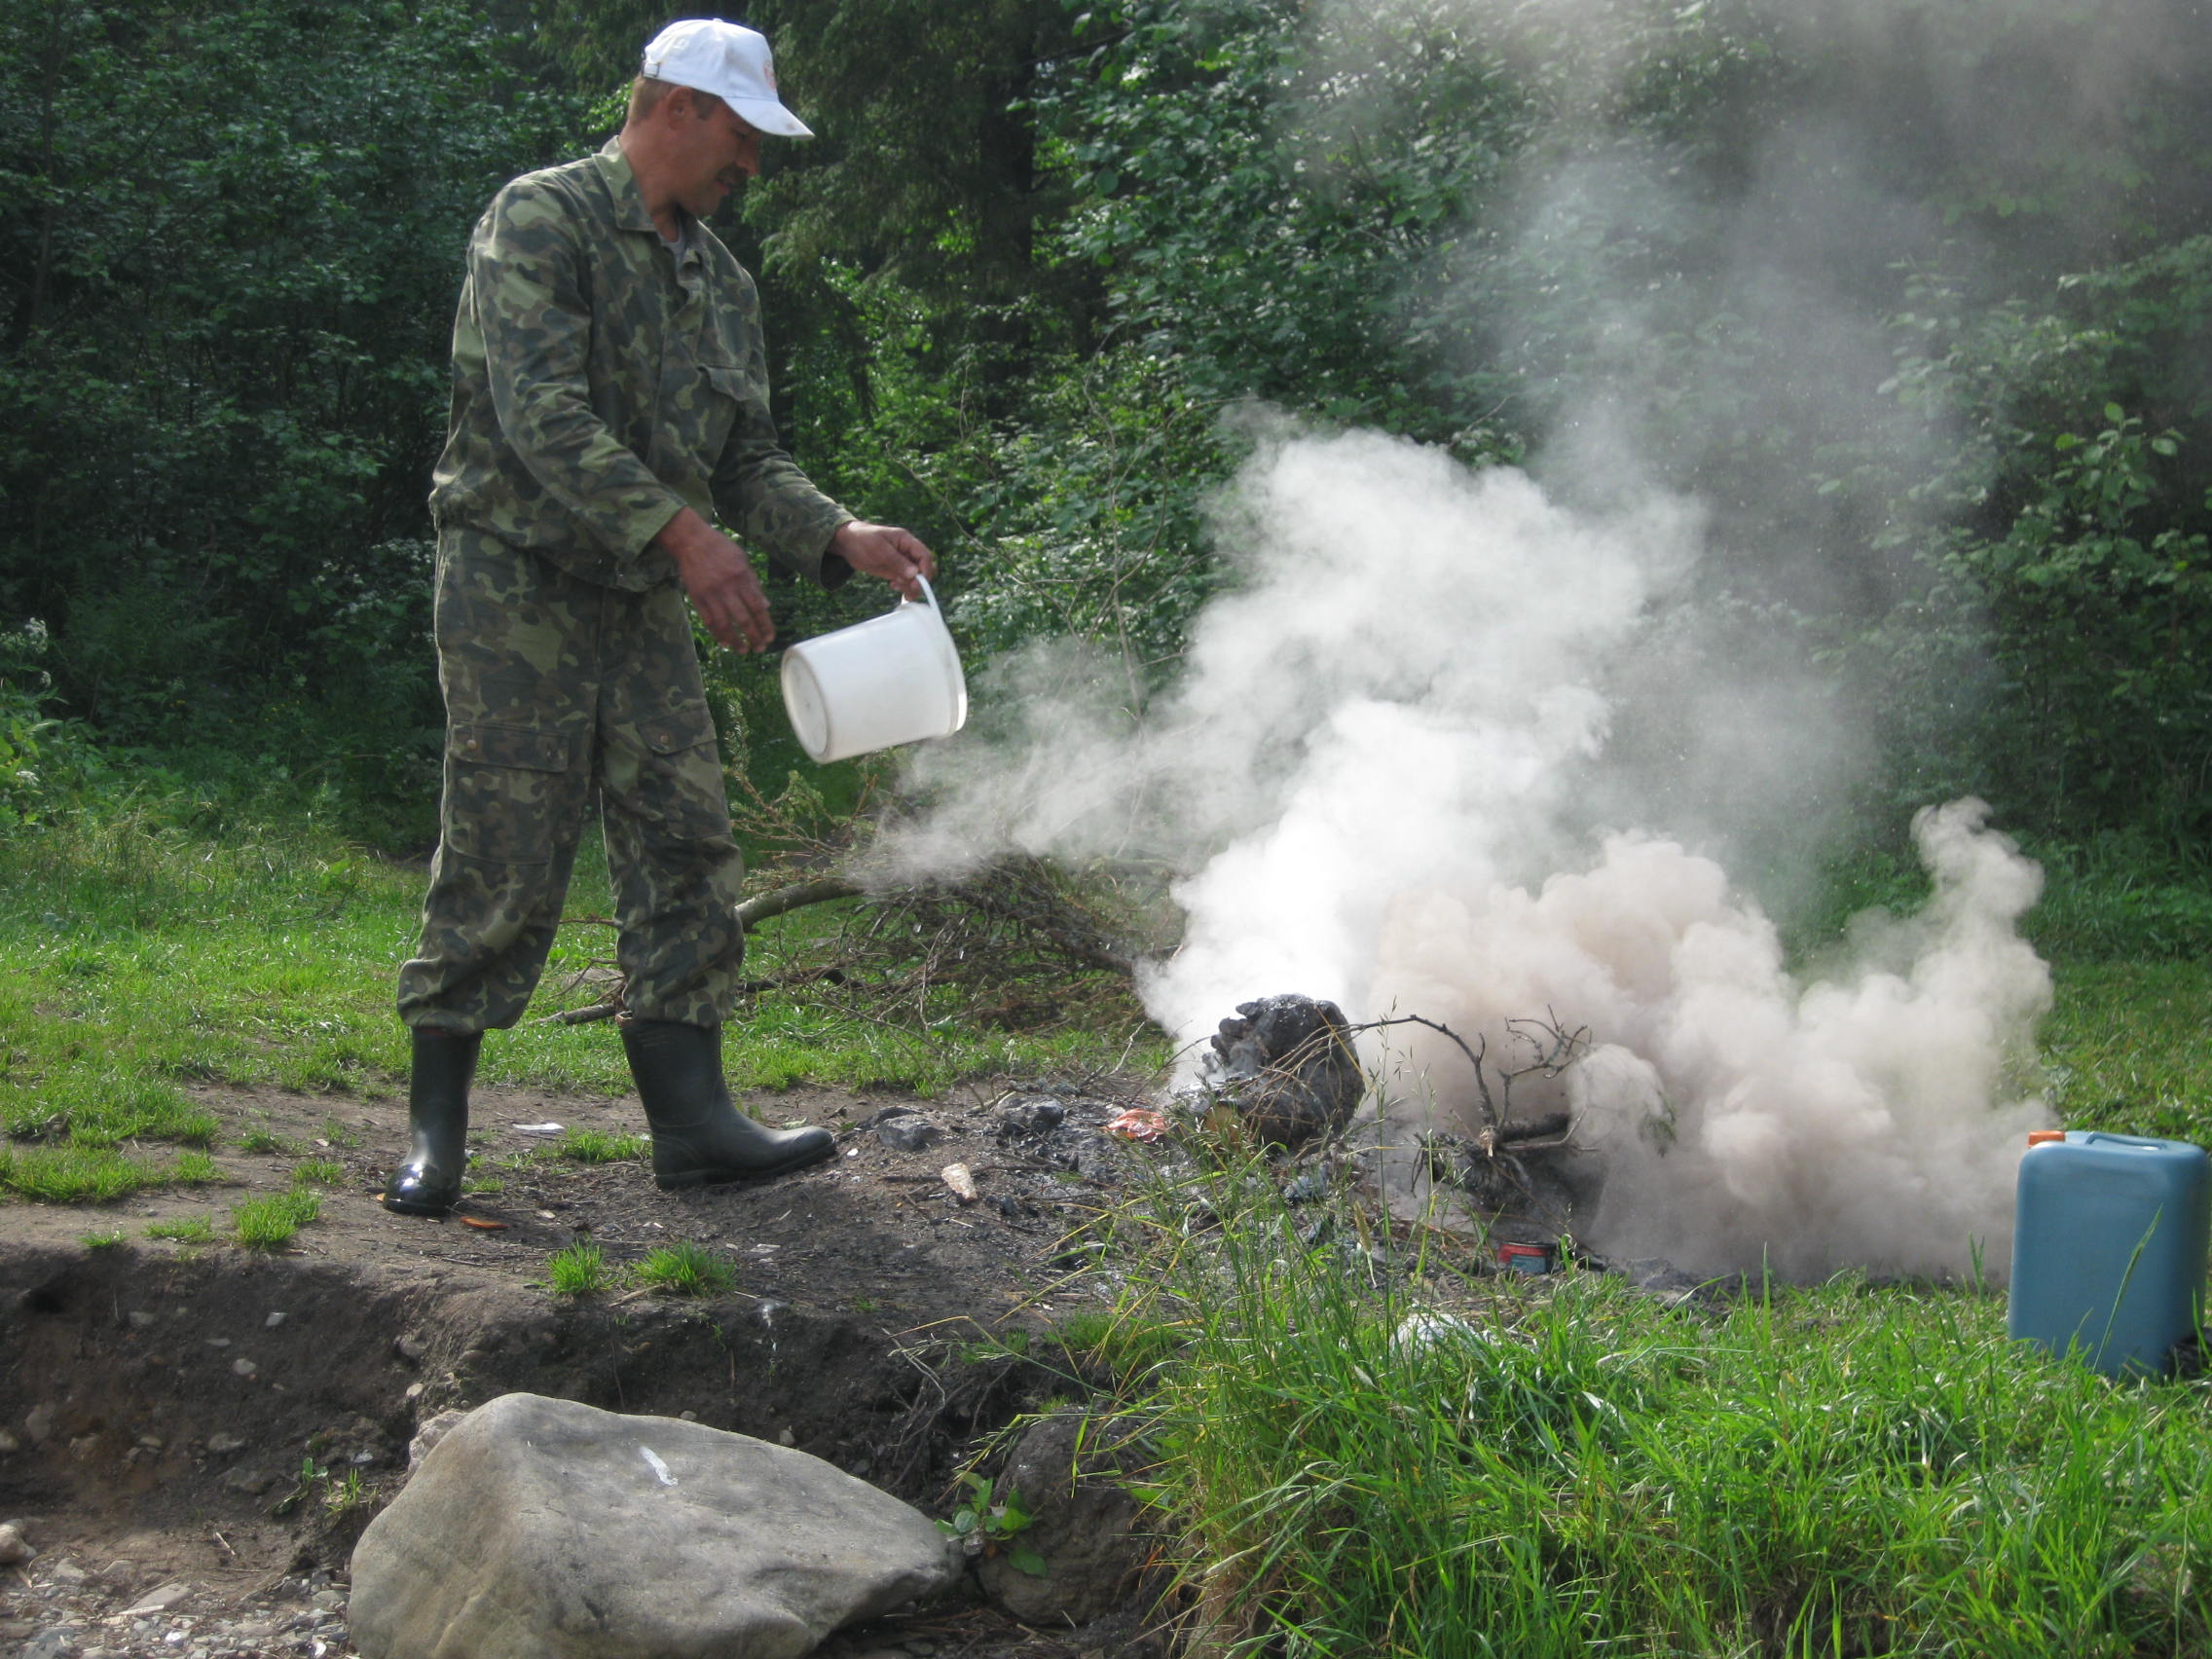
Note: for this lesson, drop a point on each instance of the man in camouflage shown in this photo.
(610, 400)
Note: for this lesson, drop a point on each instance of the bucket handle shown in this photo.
(928, 593)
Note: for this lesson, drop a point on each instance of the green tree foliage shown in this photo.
(1913, 295)
(229, 245)
(922, 169)
(2071, 514)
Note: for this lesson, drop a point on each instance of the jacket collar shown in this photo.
(622, 185)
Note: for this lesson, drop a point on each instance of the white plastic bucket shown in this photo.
(894, 679)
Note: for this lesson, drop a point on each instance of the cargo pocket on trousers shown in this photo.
(680, 794)
(503, 792)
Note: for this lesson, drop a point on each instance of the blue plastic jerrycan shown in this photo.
(2108, 1247)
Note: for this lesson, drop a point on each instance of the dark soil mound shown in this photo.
(227, 1420)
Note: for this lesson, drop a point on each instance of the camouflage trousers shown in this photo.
(559, 691)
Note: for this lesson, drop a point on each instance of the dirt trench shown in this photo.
(228, 1419)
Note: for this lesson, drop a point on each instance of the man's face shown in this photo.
(722, 150)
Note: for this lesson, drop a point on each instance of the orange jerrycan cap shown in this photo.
(2036, 1137)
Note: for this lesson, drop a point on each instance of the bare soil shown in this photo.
(157, 1399)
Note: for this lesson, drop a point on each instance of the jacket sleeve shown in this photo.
(758, 488)
(527, 275)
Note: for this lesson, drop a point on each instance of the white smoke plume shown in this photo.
(1369, 775)
(1873, 1117)
(1479, 748)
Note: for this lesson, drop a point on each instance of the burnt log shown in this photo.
(1285, 1065)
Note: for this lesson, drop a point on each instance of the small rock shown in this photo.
(9, 1442)
(67, 1571)
(1030, 1115)
(245, 1368)
(414, 1391)
(1083, 1524)
(218, 1342)
(327, 1601)
(908, 1132)
(410, 1346)
(139, 1318)
(428, 1435)
(150, 1442)
(250, 1481)
(39, 1422)
(14, 1546)
(59, 1643)
(158, 1600)
(1420, 1330)
(223, 1445)
(273, 1321)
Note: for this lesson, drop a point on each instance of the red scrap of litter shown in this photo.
(1138, 1123)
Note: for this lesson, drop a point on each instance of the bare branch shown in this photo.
(1492, 1122)
(762, 905)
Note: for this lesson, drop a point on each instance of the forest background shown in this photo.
(1904, 301)
(1913, 303)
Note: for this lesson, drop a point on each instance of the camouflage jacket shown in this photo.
(600, 386)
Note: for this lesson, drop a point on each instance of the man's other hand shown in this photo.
(885, 550)
(719, 579)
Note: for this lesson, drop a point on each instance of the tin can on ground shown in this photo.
(1528, 1258)
(2108, 1247)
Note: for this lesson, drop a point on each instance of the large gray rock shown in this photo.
(542, 1529)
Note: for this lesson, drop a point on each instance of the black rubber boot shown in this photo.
(699, 1135)
(429, 1183)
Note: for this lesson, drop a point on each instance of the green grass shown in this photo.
(103, 1240)
(264, 1141)
(152, 952)
(94, 1174)
(1571, 1470)
(685, 1269)
(578, 1270)
(597, 1146)
(2130, 1047)
(319, 1172)
(200, 1230)
(269, 1223)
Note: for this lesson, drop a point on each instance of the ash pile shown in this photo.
(1285, 1072)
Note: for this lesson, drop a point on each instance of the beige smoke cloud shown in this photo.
(1372, 775)
(1743, 1118)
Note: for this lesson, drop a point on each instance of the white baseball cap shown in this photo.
(730, 62)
